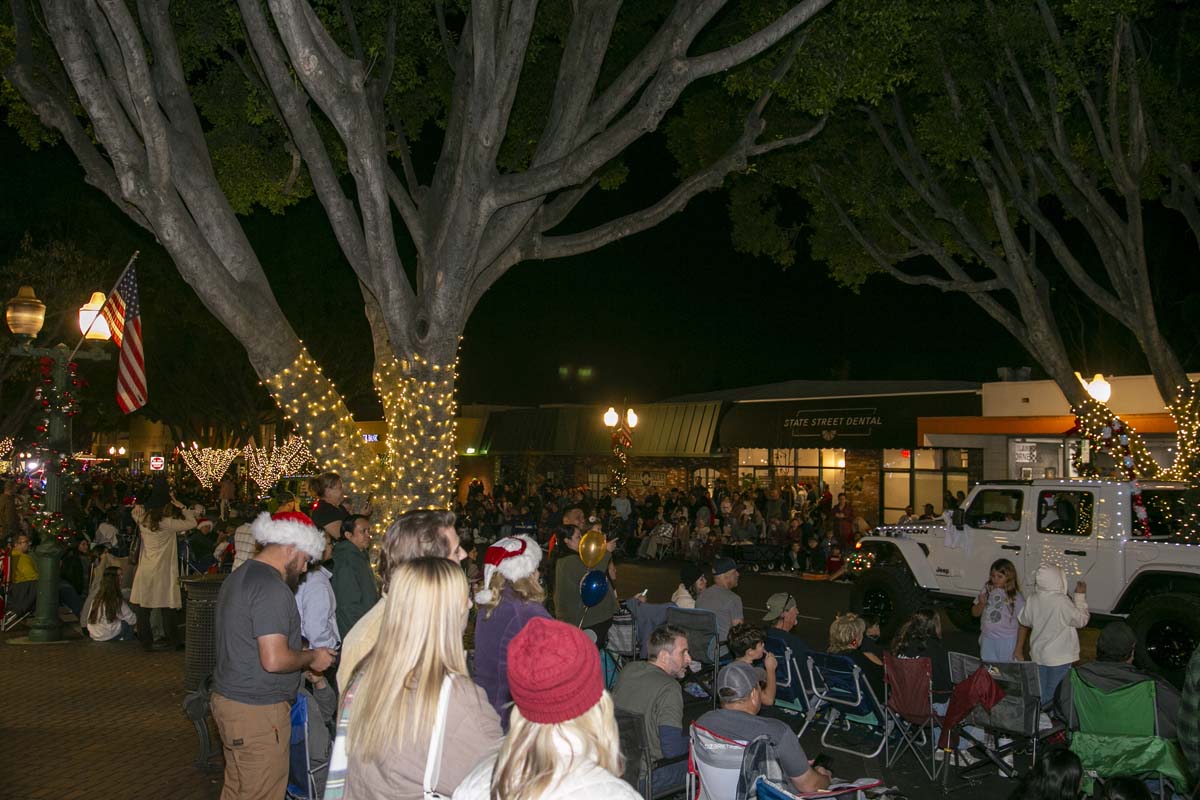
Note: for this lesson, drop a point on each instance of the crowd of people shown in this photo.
(400, 707)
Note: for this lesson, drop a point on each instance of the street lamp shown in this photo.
(25, 315)
(622, 441)
(93, 326)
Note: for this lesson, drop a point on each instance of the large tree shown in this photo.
(469, 131)
(1018, 171)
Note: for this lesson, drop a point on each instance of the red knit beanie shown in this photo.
(553, 671)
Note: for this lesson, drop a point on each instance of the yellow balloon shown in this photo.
(592, 548)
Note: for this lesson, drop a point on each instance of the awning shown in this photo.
(663, 429)
(1033, 426)
(852, 422)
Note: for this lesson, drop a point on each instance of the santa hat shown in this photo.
(515, 557)
(289, 527)
(202, 521)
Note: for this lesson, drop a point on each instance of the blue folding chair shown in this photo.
(301, 784)
(791, 692)
(842, 691)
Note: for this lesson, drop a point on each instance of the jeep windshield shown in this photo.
(1172, 513)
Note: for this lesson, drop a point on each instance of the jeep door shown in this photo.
(993, 529)
(1065, 535)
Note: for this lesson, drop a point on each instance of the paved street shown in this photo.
(103, 721)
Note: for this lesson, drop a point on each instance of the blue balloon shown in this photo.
(593, 588)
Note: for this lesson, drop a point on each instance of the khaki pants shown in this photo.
(255, 741)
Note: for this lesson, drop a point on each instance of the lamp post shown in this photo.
(621, 427)
(24, 315)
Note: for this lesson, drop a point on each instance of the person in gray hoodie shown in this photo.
(1050, 621)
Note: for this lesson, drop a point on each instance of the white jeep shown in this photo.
(1132, 542)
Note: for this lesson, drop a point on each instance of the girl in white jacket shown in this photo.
(1050, 620)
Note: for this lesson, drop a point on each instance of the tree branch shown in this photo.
(447, 44)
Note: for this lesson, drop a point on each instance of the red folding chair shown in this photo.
(908, 702)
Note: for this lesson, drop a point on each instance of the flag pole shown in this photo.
(107, 297)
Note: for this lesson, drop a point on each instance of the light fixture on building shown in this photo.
(470, 451)
(93, 326)
(1099, 389)
(610, 417)
(121, 450)
(112, 451)
(631, 418)
(25, 313)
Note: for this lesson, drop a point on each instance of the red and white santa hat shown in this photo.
(515, 557)
(289, 527)
(201, 522)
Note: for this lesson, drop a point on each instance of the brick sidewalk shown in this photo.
(96, 721)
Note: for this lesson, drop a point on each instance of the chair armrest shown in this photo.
(664, 762)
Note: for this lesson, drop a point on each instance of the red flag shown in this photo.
(122, 311)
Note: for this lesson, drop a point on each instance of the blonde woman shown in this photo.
(156, 582)
(846, 635)
(415, 676)
(512, 595)
(562, 737)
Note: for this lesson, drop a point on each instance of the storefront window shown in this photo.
(897, 459)
(808, 458)
(833, 458)
(599, 482)
(705, 476)
(933, 473)
(896, 495)
(752, 456)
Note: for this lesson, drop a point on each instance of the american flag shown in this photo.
(123, 314)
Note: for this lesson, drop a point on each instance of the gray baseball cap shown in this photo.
(737, 681)
(778, 604)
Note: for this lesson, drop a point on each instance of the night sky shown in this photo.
(667, 312)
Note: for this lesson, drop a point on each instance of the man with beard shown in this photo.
(260, 656)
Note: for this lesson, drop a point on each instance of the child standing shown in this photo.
(998, 606)
(1050, 620)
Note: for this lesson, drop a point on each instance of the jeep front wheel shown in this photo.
(888, 593)
(1167, 627)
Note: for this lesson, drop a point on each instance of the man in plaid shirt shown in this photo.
(1189, 714)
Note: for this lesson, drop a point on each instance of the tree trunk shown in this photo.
(313, 404)
(419, 409)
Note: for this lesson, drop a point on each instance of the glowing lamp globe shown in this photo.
(631, 418)
(25, 313)
(610, 417)
(1099, 389)
(93, 326)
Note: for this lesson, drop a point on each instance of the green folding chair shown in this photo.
(1118, 735)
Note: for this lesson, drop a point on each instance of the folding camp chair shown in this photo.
(302, 784)
(791, 693)
(1010, 723)
(772, 790)
(841, 689)
(704, 644)
(908, 702)
(714, 765)
(1118, 735)
(639, 761)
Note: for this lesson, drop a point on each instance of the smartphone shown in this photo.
(643, 592)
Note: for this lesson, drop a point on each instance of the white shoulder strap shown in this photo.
(433, 762)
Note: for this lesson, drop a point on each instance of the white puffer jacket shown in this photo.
(1053, 618)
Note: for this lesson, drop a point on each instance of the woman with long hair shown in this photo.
(921, 637)
(412, 696)
(562, 737)
(110, 619)
(156, 582)
(512, 595)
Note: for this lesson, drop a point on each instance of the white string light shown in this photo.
(267, 467)
(208, 464)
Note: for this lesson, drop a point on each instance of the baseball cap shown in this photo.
(737, 681)
(777, 604)
(723, 565)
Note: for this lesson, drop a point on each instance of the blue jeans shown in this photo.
(672, 775)
(1050, 678)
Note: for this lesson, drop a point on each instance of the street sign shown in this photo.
(157, 463)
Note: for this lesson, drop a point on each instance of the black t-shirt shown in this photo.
(323, 513)
(935, 651)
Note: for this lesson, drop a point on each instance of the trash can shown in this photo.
(201, 654)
